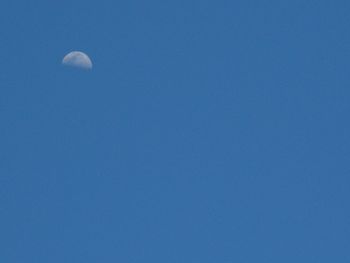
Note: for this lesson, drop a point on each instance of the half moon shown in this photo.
(77, 59)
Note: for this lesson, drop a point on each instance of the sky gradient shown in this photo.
(206, 132)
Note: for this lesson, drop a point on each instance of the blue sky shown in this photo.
(207, 131)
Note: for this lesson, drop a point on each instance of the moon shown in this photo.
(77, 59)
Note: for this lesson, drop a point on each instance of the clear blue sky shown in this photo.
(207, 132)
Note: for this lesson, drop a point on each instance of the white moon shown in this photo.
(77, 59)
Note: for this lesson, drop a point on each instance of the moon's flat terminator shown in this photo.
(77, 59)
